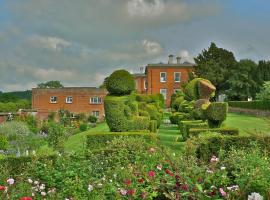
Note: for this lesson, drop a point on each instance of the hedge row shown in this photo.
(99, 140)
(208, 146)
(223, 131)
(259, 105)
(185, 126)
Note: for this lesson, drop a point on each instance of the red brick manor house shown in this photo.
(157, 78)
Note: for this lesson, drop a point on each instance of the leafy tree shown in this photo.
(263, 72)
(103, 85)
(242, 82)
(215, 64)
(264, 94)
(7, 97)
(50, 84)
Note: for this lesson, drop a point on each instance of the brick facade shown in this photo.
(74, 99)
(140, 81)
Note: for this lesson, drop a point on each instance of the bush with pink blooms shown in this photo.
(130, 168)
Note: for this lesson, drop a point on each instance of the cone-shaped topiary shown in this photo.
(120, 83)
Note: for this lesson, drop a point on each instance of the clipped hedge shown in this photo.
(258, 105)
(95, 141)
(120, 82)
(223, 131)
(153, 126)
(208, 146)
(216, 113)
(140, 123)
(186, 125)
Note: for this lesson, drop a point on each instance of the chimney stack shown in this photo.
(178, 58)
(170, 59)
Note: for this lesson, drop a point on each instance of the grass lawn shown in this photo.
(76, 142)
(248, 124)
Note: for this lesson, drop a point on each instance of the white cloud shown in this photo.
(53, 43)
(186, 57)
(152, 47)
(145, 8)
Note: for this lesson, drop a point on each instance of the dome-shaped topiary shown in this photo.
(120, 82)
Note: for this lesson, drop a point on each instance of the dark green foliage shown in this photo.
(80, 117)
(264, 94)
(191, 89)
(242, 81)
(158, 99)
(144, 113)
(15, 96)
(99, 140)
(120, 82)
(92, 119)
(177, 103)
(215, 64)
(154, 113)
(216, 113)
(211, 145)
(50, 84)
(83, 127)
(223, 131)
(153, 126)
(260, 105)
(176, 117)
(3, 142)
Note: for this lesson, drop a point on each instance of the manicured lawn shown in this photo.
(248, 124)
(76, 142)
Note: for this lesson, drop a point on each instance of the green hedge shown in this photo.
(208, 146)
(95, 141)
(216, 113)
(259, 105)
(17, 165)
(223, 131)
(153, 126)
(184, 127)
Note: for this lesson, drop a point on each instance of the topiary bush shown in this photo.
(120, 82)
(83, 127)
(92, 119)
(153, 126)
(216, 113)
(140, 123)
(223, 131)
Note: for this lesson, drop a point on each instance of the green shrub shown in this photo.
(81, 117)
(154, 113)
(259, 105)
(153, 126)
(99, 140)
(144, 113)
(56, 136)
(92, 119)
(216, 113)
(140, 123)
(3, 142)
(120, 82)
(83, 127)
(184, 127)
(223, 131)
(176, 104)
(176, 117)
(211, 145)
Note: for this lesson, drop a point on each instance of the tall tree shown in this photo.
(215, 64)
(242, 82)
(50, 84)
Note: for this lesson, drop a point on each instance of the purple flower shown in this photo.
(222, 192)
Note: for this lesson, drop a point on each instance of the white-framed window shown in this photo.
(164, 93)
(95, 100)
(53, 99)
(96, 114)
(145, 85)
(163, 76)
(69, 99)
(177, 76)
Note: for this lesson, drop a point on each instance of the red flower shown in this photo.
(140, 180)
(151, 173)
(26, 198)
(127, 182)
(131, 192)
(2, 188)
(143, 195)
(184, 187)
(167, 171)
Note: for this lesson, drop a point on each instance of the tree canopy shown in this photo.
(215, 64)
(50, 84)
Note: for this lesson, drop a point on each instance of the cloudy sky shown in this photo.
(79, 42)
